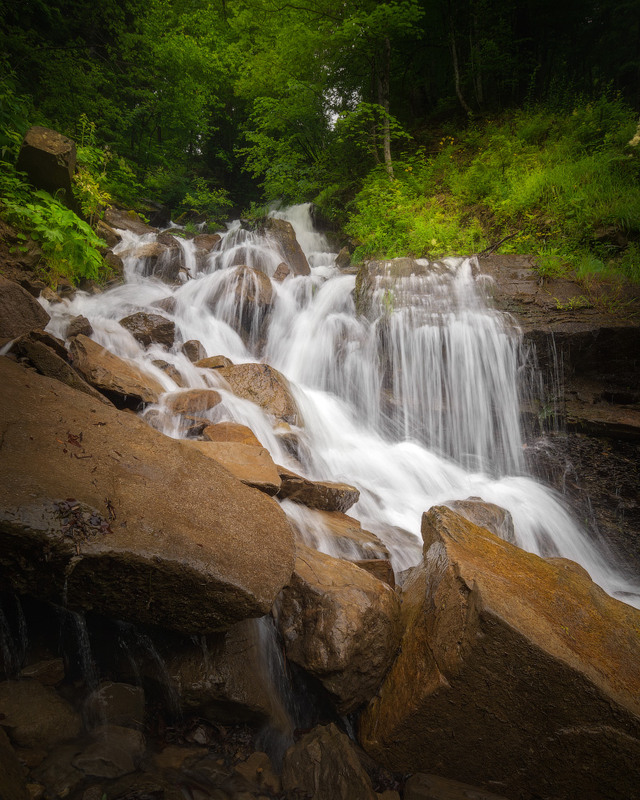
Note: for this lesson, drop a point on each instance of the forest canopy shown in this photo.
(419, 127)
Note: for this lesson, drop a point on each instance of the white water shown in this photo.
(416, 406)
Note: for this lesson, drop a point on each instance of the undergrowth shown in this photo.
(563, 185)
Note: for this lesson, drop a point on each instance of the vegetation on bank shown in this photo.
(418, 128)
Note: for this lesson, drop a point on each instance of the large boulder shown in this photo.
(264, 386)
(120, 381)
(250, 464)
(19, 311)
(514, 673)
(12, 782)
(100, 511)
(120, 219)
(323, 765)
(49, 159)
(43, 352)
(323, 495)
(35, 716)
(340, 624)
(150, 328)
(207, 241)
(192, 402)
(284, 236)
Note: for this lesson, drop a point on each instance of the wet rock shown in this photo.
(283, 234)
(48, 673)
(343, 259)
(116, 265)
(324, 766)
(120, 381)
(115, 751)
(230, 432)
(49, 357)
(35, 716)
(190, 557)
(192, 401)
(487, 515)
(127, 220)
(108, 234)
(115, 704)
(386, 276)
(264, 386)
(380, 568)
(223, 677)
(207, 241)
(161, 260)
(282, 272)
(250, 464)
(214, 362)
(533, 660)
(169, 370)
(49, 159)
(12, 782)
(79, 325)
(323, 495)
(258, 770)
(150, 328)
(168, 304)
(340, 624)
(19, 311)
(337, 534)
(194, 350)
(57, 773)
(433, 787)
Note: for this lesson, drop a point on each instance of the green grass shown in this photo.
(564, 186)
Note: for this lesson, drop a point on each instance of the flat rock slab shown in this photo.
(252, 465)
(322, 495)
(101, 511)
(515, 673)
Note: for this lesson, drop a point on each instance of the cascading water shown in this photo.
(415, 403)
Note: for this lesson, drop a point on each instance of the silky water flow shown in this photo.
(415, 403)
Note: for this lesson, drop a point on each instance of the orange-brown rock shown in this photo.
(283, 234)
(214, 362)
(264, 386)
(487, 515)
(103, 513)
(120, 381)
(19, 311)
(323, 495)
(380, 568)
(230, 432)
(194, 350)
(340, 624)
(192, 401)
(252, 465)
(514, 673)
(336, 533)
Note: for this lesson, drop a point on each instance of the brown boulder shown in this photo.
(110, 236)
(114, 751)
(192, 401)
(194, 350)
(115, 704)
(35, 716)
(284, 236)
(337, 534)
(264, 386)
(12, 782)
(282, 272)
(48, 356)
(127, 220)
(119, 380)
(214, 362)
(162, 261)
(49, 159)
(207, 241)
(79, 325)
(19, 311)
(323, 495)
(514, 673)
(487, 515)
(340, 624)
(169, 370)
(250, 464)
(88, 493)
(343, 259)
(324, 766)
(230, 432)
(150, 328)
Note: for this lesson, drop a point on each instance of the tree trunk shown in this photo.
(383, 100)
(456, 67)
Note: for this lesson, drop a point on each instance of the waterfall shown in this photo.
(415, 403)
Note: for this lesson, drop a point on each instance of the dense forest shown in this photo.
(422, 127)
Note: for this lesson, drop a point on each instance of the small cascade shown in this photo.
(414, 397)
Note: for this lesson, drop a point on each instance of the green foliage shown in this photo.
(70, 248)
